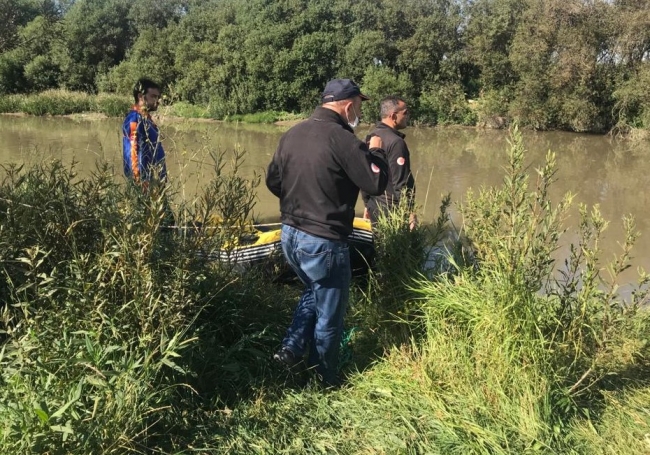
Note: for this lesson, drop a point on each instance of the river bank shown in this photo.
(79, 105)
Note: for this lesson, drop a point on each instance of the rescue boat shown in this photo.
(262, 246)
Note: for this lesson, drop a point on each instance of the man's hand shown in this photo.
(366, 213)
(375, 142)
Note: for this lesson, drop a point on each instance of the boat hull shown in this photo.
(263, 247)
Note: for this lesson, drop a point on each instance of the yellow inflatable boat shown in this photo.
(262, 245)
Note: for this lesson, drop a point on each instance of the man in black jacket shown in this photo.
(394, 117)
(317, 172)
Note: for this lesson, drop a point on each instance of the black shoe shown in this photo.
(286, 357)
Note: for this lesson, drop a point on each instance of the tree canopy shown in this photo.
(570, 64)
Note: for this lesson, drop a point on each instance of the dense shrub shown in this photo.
(56, 102)
(446, 104)
(542, 349)
(117, 335)
(112, 105)
(99, 299)
(10, 103)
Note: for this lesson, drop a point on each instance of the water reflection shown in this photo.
(597, 169)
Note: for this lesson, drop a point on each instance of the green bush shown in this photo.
(57, 102)
(10, 103)
(492, 108)
(632, 102)
(530, 106)
(523, 354)
(187, 110)
(380, 82)
(42, 73)
(12, 77)
(446, 105)
(99, 300)
(577, 112)
(112, 105)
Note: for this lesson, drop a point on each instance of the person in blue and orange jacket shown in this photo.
(143, 154)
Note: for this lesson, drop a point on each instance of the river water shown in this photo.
(597, 169)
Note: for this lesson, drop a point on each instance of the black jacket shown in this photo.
(317, 172)
(399, 161)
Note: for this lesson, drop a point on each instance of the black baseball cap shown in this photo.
(342, 89)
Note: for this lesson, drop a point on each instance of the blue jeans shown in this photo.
(324, 267)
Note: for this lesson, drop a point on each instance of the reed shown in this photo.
(9, 104)
(63, 102)
(263, 117)
(109, 317)
(56, 102)
(111, 105)
(187, 110)
(118, 336)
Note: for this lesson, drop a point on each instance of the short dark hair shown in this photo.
(389, 105)
(142, 86)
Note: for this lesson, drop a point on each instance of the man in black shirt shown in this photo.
(317, 172)
(394, 117)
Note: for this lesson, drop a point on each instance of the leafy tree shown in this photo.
(17, 13)
(567, 64)
(157, 14)
(150, 56)
(304, 69)
(632, 99)
(556, 53)
(96, 34)
(12, 76)
(632, 31)
(369, 47)
(531, 55)
(39, 38)
(580, 82)
(31, 64)
(381, 81)
(434, 41)
(489, 33)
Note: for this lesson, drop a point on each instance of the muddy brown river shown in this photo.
(597, 169)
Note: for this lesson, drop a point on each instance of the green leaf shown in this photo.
(62, 429)
(42, 415)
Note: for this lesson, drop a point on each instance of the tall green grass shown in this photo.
(118, 336)
(505, 356)
(263, 117)
(111, 105)
(402, 254)
(63, 102)
(56, 102)
(187, 110)
(111, 319)
(519, 352)
(9, 104)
